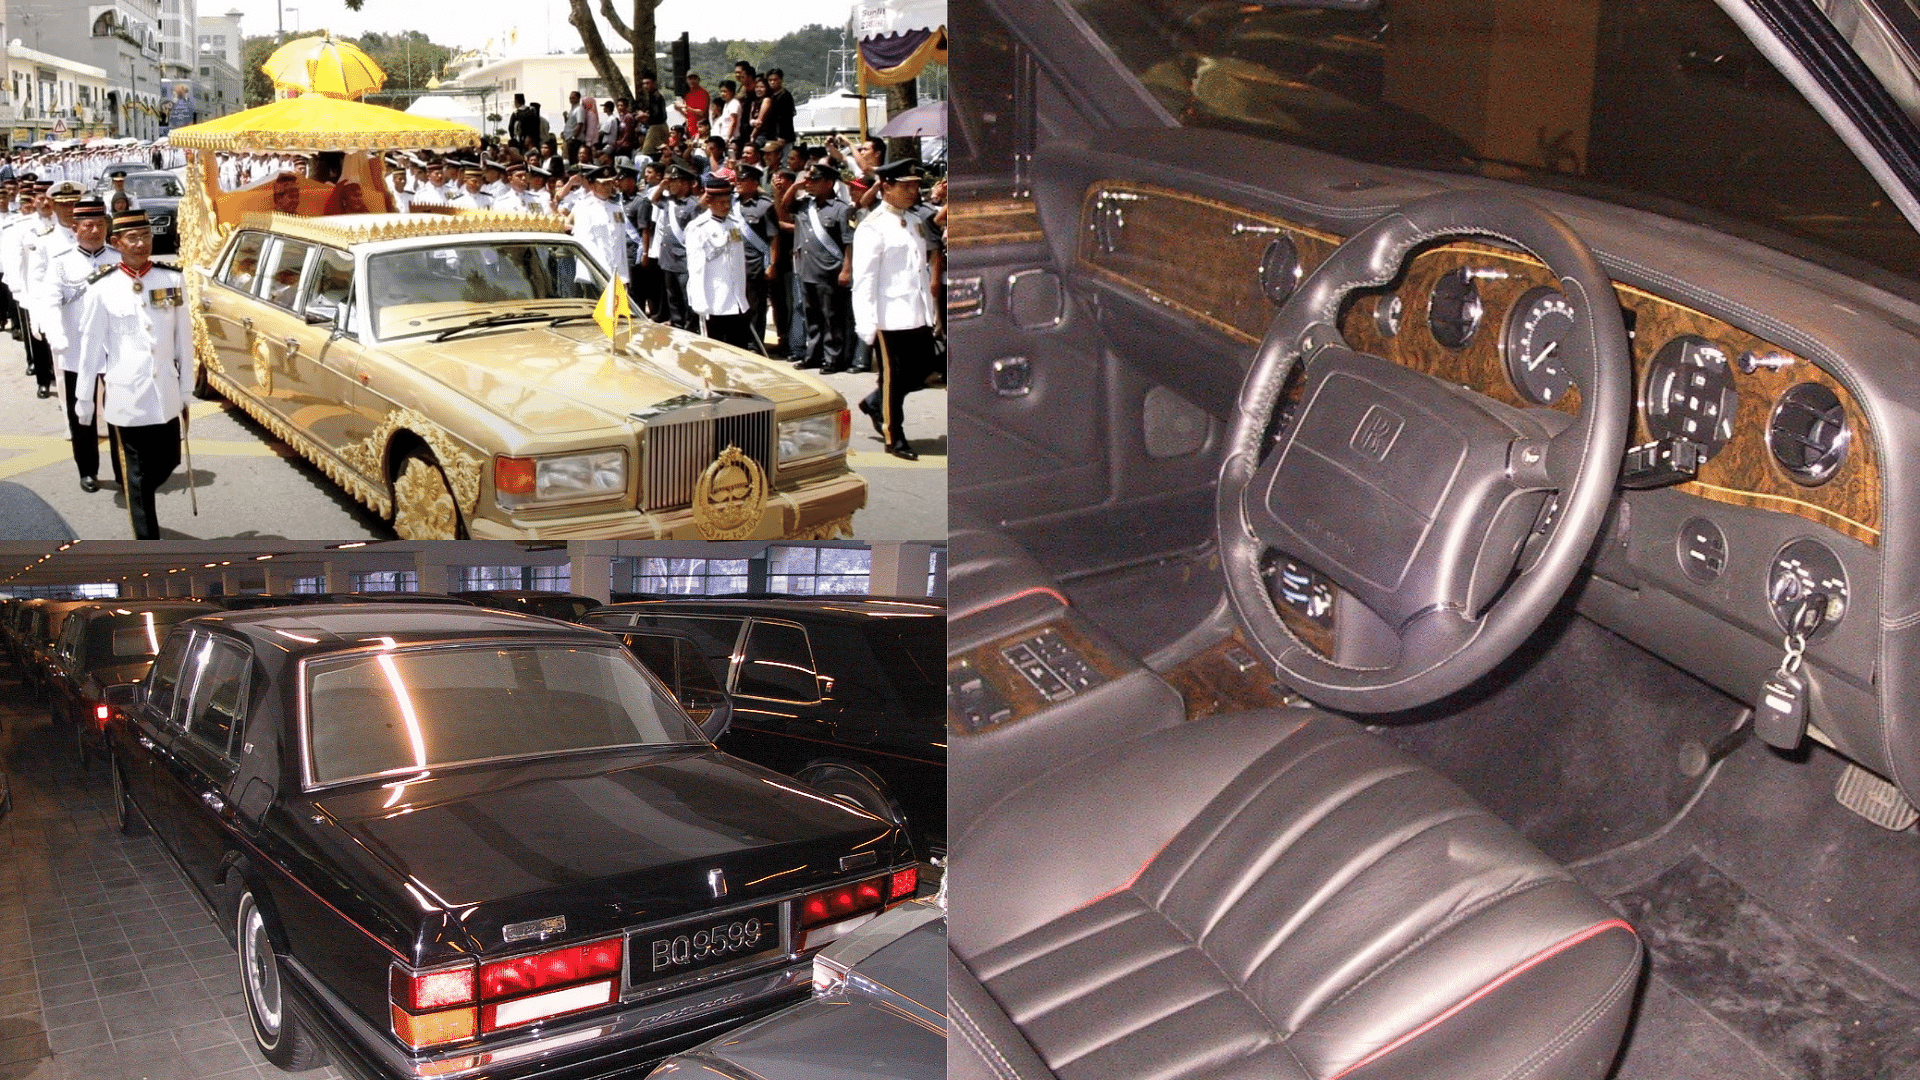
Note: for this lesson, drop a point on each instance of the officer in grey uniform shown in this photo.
(821, 239)
(672, 210)
(757, 210)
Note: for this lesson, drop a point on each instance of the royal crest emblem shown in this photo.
(730, 496)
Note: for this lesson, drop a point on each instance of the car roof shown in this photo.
(826, 608)
(135, 606)
(321, 628)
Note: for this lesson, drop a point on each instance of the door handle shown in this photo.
(146, 743)
(293, 345)
(214, 802)
(246, 323)
(206, 303)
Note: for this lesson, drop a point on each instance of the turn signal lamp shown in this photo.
(434, 1028)
(846, 425)
(513, 476)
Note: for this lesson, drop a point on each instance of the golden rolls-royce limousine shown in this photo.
(447, 372)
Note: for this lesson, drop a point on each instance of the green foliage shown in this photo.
(805, 55)
(409, 59)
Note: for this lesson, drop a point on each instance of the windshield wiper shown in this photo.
(558, 319)
(502, 319)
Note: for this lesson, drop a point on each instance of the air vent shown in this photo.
(1808, 433)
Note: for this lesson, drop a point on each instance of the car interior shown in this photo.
(1432, 584)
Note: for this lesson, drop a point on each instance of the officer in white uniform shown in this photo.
(598, 226)
(135, 332)
(894, 262)
(495, 175)
(471, 197)
(72, 270)
(43, 241)
(717, 265)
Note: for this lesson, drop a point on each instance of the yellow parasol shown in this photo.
(315, 121)
(325, 66)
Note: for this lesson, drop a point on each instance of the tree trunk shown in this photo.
(900, 98)
(642, 38)
(582, 19)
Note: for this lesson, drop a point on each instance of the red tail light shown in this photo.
(842, 903)
(505, 978)
(420, 999)
(905, 883)
(101, 712)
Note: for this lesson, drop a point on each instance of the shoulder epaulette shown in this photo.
(102, 272)
(167, 266)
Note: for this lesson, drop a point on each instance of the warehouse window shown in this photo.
(819, 571)
(690, 577)
(385, 581)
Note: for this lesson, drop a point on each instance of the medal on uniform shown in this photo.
(137, 286)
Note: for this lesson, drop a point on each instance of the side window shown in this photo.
(655, 653)
(717, 637)
(992, 78)
(219, 692)
(70, 637)
(243, 266)
(332, 285)
(697, 681)
(778, 664)
(282, 285)
(164, 680)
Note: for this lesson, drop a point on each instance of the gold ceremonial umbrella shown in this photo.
(323, 65)
(314, 121)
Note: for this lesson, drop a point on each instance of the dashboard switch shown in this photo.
(1661, 463)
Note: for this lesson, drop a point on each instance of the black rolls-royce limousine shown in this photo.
(454, 842)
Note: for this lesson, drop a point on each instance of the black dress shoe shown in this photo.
(44, 392)
(832, 370)
(903, 450)
(861, 370)
(873, 414)
(806, 365)
(89, 484)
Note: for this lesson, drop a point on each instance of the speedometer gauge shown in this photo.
(1537, 334)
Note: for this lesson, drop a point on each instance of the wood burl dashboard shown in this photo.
(1203, 259)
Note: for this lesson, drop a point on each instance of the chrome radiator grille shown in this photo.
(684, 436)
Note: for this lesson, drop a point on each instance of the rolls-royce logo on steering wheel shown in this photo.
(1377, 430)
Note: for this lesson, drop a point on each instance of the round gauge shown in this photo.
(1689, 393)
(1280, 270)
(1386, 314)
(1807, 572)
(1537, 334)
(1454, 309)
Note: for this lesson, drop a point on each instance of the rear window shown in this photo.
(115, 638)
(399, 711)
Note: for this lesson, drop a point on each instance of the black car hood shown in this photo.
(606, 842)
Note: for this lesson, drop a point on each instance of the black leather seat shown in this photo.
(1273, 895)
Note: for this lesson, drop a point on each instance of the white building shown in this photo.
(121, 38)
(221, 86)
(55, 98)
(544, 79)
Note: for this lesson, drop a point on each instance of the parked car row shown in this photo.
(459, 842)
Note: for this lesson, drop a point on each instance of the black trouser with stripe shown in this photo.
(735, 330)
(86, 437)
(40, 355)
(674, 288)
(148, 455)
(906, 356)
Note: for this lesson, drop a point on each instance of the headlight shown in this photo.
(565, 478)
(814, 436)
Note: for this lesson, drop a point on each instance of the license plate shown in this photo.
(673, 952)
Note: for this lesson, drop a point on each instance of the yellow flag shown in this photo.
(612, 307)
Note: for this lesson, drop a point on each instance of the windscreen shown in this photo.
(399, 710)
(1659, 104)
(430, 289)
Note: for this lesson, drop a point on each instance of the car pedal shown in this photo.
(1874, 799)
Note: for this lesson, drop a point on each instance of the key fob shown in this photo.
(1780, 716)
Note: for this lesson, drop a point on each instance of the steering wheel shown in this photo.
(1458, 520)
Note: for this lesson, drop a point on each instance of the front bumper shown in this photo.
(607, 1045)
(817, 508)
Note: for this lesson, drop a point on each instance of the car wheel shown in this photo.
(851, 786)
(276, 1029)
(423, 505)
(124, 812)
(202, 385)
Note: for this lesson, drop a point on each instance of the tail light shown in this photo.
(905, 884)
(836, 912)
(431, 1008)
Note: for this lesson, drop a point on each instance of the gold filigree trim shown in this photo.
(375, 498)
(302, 142)
(840, 528)
(367, 228)
(463, 470)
